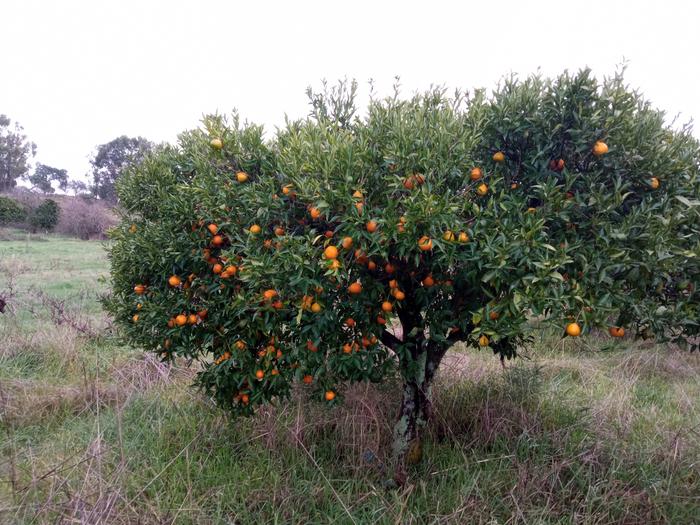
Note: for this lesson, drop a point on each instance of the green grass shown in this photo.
(92, 431)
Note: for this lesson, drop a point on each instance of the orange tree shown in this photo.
(351, 248)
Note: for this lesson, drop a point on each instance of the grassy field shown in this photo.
(95, 432)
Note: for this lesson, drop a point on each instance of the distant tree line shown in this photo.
(108, 163)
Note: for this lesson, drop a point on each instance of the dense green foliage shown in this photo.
(44, 216)
(576, 205)
(11, 211)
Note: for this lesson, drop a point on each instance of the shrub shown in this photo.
(11, 211)
(351, 247)
(45, 216)
(85, 218)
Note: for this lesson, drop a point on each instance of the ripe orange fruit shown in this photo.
(401, 228)
(573, 329)
(371, 266)
(475, 174)
(217, 240)
(217, 268)
(393, 283)
(359, 206)
(213, 229)
(482, 189)
(241, 176)
(355, 288)
(560, 164)
(463, 237)
(389, 268)
(494, 315)
(654, 182)
(245, 399)
(499, 156)
(483, 341)
(448, 236)
(387, 306)
(231, 269)
(259, 374)
(381, 320)
(360, 257)
(331, 252)
(350, 322)
(616, 331)
(240, 345)
(279, 231)
(408, 183)
(286, 189)
(330, 395)
(202, 314)
(357, 194)
(314, 212)
(255, 229)
(372, 226)
(600, 148)
(308, 379)
(419, 178)
(316, 308)
(328, 234)
(425, 243)
(334, 264)
(311, 346)
(181, 320)
(192, 319)
(347, 348)
(139, 306)
(346, 243)
(428, 281)
(135, 317)
(514, 186)
(269, 294)
(139, 289)
(174, 281)
(399, 295)
(216, 143)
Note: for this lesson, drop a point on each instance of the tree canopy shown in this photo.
(15, 153)
(44, 176)
(353, 247)
(110, 161)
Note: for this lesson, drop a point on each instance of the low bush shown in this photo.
(45, 216)
(11, 211)
(84, 218)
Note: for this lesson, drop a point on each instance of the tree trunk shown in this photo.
(415, 412)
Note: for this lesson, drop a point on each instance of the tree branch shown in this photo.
(389, 340)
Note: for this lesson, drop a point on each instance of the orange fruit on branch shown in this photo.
(573, 330)
(600, 148)
(425, 243)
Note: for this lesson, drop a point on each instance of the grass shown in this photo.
(581, 432)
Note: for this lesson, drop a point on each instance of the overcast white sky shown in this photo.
(77, 74)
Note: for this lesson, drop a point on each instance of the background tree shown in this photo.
(110, 161)
(45, 216)
(44, 176)
(78, 187)
(15, 153)
(359, 248)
